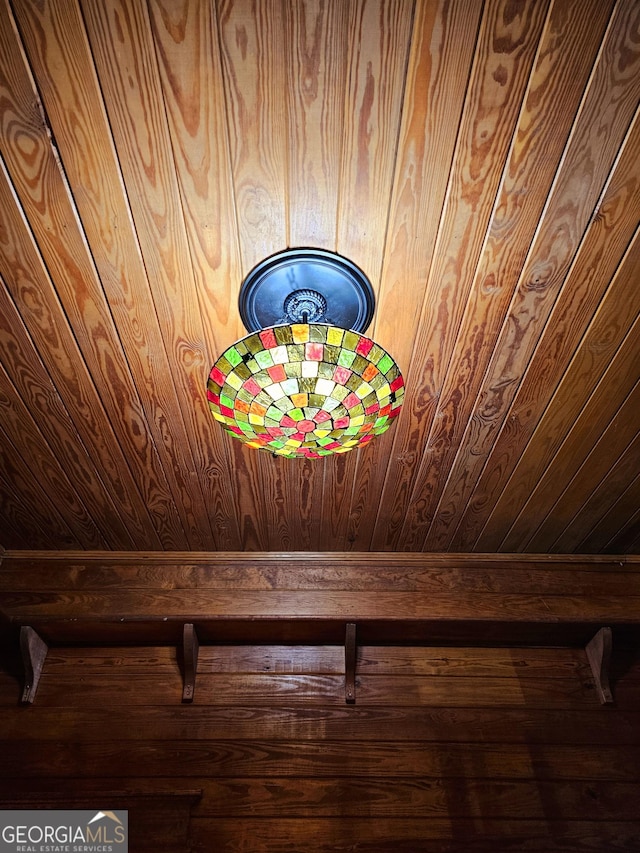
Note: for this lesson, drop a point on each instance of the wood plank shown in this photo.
(65, 256)
(205, 606)
(598, 134)
(438, 798)
(21, 491)
(400, 572)
(263, 760)
(442, 43)
(379, 37)
(252, 45)
(124, 54)
(312, 690)
(559, 76)
(505, 50)
(379, 34)
(59, 54)
(594, 727)
(317, 56)
(281, 835)
(604, 474)
(610, 534)
(604, 246)
(614, 386)
(371, 660)
(23, 367)
(30, 446)
(190, 70)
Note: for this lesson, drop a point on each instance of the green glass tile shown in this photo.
(242, 371)
(273, 414)
(379, 422)
(226, 401)
(346, 358)
(327, 440)
(224, 365)
(359, 365)
(233, 356)
(370, 399)
(283, 335)
(385, 363)
(264, 399)
(277, 442)
(376, 353)
(317, 333)
(253, 344)
(307, 384)
(326, 370)
(352, 430)
(284, 404)
(244, 395)
(331, 354)
(351, 340)
(340, 392)
(264, 359)
(378, 381)
(354, 382)
(317, 400)
(296, 414)
(241, 416)
(295, 352)
(356, 410)
(293, 369)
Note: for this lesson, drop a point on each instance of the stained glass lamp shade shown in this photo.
(305, 389)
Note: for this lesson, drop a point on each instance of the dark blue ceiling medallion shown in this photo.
(306, 286)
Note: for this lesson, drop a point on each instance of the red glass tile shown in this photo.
(314, 351)
(277, 372)
(341, 375)
(218, 376)
(252, 387)
(364, 346)
(268, 338)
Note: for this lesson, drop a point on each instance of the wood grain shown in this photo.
(505, 50)
(600, 128)
(604, 246)
(558, 77)
(153, 152)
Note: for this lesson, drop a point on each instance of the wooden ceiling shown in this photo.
(480, 161)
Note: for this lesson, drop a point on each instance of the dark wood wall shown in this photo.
(448, 747)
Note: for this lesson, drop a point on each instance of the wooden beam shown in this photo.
(599, 657)
(190, 648)
(350, 655)
(34, 651)
(299, 598)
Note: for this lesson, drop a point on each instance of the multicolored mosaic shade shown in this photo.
(306, 390)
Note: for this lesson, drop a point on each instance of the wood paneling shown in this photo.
(447, 748)
(478, 160)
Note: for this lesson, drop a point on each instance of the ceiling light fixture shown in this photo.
(305, 382)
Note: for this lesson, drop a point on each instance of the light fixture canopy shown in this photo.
(307, 384)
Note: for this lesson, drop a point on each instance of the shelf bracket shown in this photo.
(34, 651)
(350, 653)
(190, 648)
(599, 656)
